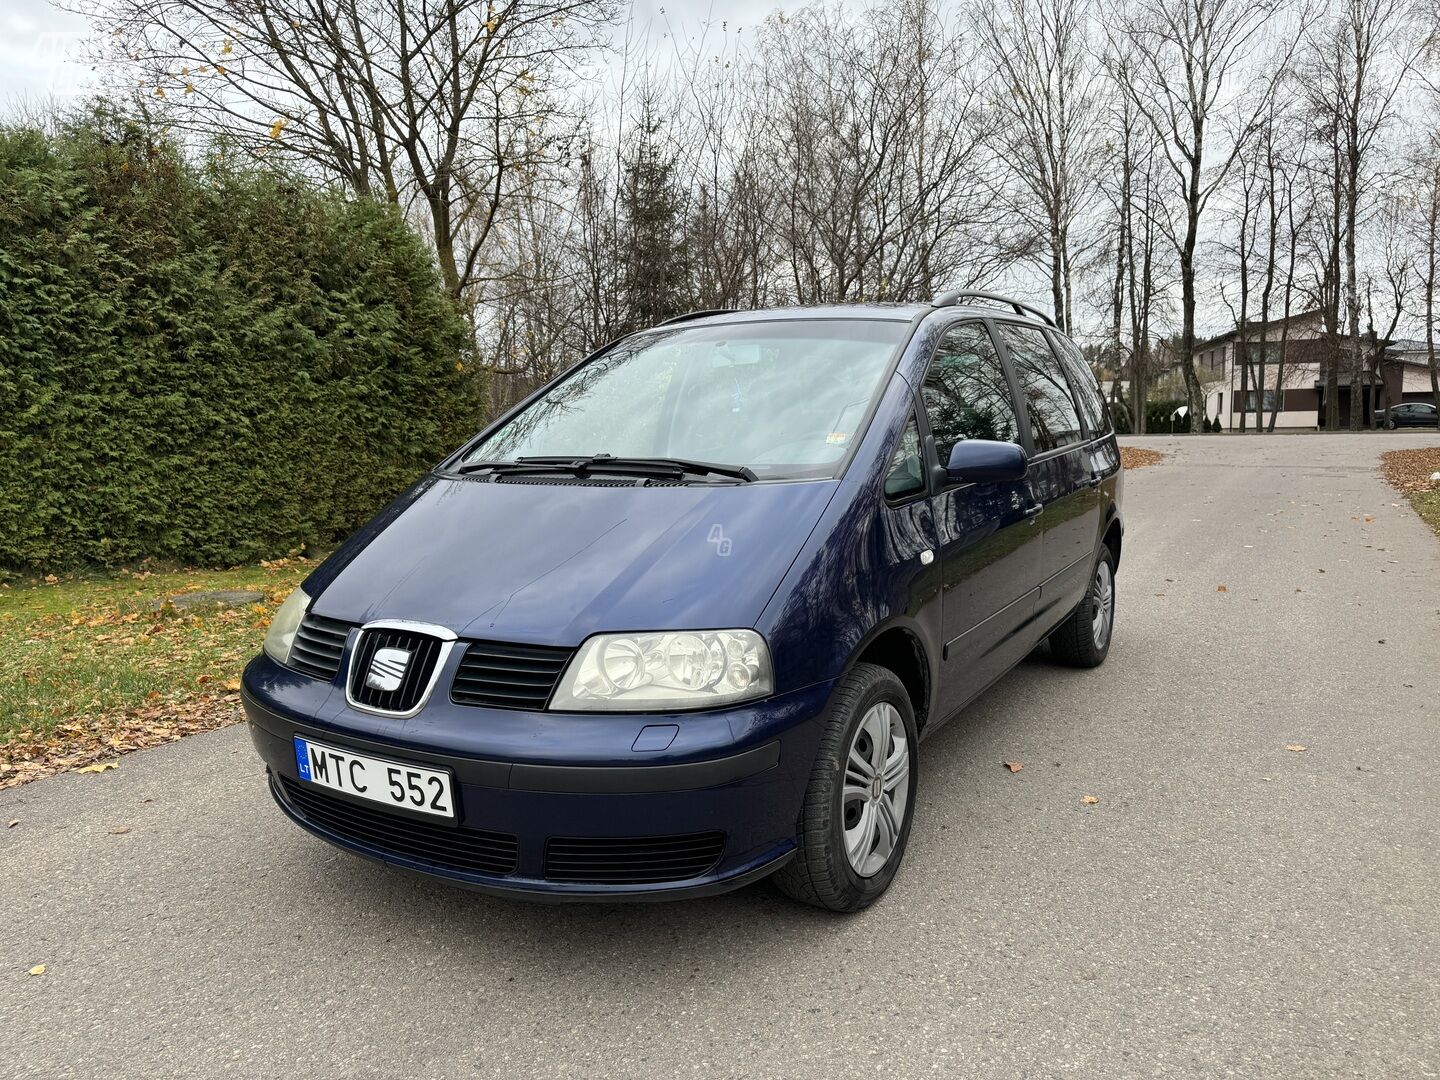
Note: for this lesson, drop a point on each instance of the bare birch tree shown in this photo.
(1358, 62)
(1426, 229)
(1045, 91)
(1189, 59)
(874, 137)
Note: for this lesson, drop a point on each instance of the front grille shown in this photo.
(424, 652)
(317, 647)
(631, 860)
(439, 845)
(508, 676)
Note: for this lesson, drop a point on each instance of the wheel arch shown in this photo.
(898, 647)
(1114, 534)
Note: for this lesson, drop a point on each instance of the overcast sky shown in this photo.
(40, 44)
(36, 42)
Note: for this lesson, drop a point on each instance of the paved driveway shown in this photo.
(1229, 908)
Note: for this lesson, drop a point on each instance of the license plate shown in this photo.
(391, 783)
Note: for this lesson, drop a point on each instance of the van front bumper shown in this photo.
(734, 776)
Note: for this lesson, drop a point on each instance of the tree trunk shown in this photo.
(1272, 227)
(1242, 329)
(1285, 318)
(1352, 309)
(1057, 273)
(444, 243)
(1331, 293)
(1432, 238)
(1187, 304)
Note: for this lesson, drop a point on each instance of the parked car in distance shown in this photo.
(682, 618)
(1407, 414)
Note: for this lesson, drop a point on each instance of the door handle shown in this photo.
(1034, 511)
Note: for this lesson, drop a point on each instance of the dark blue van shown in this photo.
(681, 619)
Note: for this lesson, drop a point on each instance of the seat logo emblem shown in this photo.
(387, 669)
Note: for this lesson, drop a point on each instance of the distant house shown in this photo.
(1407, 371)
(1299, 390)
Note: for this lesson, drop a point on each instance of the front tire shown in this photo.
(855, 819)
(1083, 639)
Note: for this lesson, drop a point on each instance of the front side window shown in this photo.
(786, 398)
(906, 475)
(1053, 420)
(966, 394)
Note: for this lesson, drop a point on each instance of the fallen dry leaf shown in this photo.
(93, 738)
(233, 684)
(120, 830)
(1410, 470)
(1296, 748)
(1089, 800)
(1133, 457)
(1222, 588)
(12, 824)
(99, 766)
(38, 969)
(1014, 766)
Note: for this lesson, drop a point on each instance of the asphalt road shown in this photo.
(1228, 908)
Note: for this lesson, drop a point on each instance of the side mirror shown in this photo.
(982, 461)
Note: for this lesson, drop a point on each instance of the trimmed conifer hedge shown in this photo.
(205, 364)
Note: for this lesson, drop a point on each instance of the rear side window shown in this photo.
(1082, 381)
(965, 393)
(1054, 421)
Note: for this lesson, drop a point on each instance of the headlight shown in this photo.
(283, 626)
(657, 672)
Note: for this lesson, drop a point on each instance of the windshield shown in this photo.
(784, 398)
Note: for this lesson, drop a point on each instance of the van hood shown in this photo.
(553, 563)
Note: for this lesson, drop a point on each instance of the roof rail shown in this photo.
(698, 315)
(954, 296)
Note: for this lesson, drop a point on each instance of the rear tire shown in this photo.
(855, 819)
(1083, 639)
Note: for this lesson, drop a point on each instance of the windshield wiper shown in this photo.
(666, 468)
(609, 463)
(467, 467)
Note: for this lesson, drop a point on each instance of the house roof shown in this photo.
(1408, 345)
(1254, 328)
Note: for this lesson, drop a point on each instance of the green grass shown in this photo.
(80, 653)
(1427, 505)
